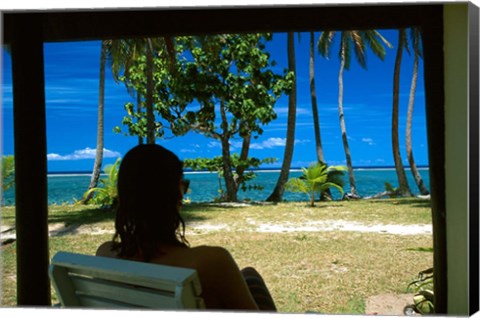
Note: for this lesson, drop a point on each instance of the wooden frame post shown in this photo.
(33, 285)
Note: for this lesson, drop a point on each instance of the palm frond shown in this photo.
(416, 39)
(344, 53)
(297, 185)
(315, 170)
(337, 177)
(323, 187)
(325, 42)
(359, 48)
(376, 42)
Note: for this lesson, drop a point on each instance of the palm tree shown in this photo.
(106, 195)
(97, 165)
(318, 178)
(402, 178)
(279, 189)
(316, 120)
(112, 51)
(150, 48)
(359, 39)
(325, 195)
(121, 54)
(415, 38)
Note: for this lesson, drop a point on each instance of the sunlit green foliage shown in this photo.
(8, 172)
(221, 86)
(106, 194)
(242, 174)
(317, 178)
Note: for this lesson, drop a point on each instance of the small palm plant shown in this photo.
(107, 194)
(316, 179)
(423, 299)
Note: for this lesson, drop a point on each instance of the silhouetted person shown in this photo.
(149, 228)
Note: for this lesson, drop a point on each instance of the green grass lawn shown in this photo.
(325, 271)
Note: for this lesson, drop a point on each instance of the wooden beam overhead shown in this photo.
(107, 24)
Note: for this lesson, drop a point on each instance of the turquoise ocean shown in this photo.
(204, 186)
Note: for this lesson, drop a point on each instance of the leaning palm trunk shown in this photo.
(316, 121)
(97, 166)
(351, 176)
(402, 178)
(279, 189)
(408, 140)
(325, 195)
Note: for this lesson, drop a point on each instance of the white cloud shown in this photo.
(214, 144)
(236, 144)
(302, 141)
(193, 148)
(269, 143)
(275, 142)
(369, 141)
(86, 153)
(284, 111)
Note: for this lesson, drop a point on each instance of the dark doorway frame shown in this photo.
(27, 31)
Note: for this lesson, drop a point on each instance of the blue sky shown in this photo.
(71, 84)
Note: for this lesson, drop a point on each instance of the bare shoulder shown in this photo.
(216, 252)
(106, 250)
(213, 255)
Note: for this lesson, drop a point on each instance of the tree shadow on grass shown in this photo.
(83, 217)
(89, 216)
(195, 212)
(413, 202)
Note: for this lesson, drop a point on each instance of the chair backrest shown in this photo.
(93, 281)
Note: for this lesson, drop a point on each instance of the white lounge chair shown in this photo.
(101, 282)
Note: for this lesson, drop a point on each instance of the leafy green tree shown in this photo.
(107, 194)
(143, 60)
(402, 178)
(359, 40)
(242, 177)
(230, 77)
(317, 178)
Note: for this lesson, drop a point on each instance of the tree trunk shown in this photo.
(227, 161)
(324, 195)
(243, 157)
(139, 109)
(316, 121)
(149, 97)
(402, 178)
(351, 176)
(97, 165)
(408, 140)
(277, 193)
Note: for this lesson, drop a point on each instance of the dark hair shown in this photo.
(149, 199)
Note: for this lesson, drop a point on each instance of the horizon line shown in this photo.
(86, 172)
